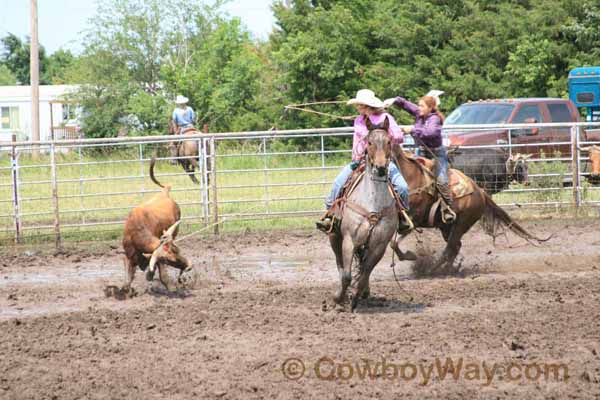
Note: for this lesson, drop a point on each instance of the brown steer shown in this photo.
(149, 236)
(594, 152)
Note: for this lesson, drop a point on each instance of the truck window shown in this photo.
(528, 111)
(585, 97)
(559, 113)
(468, 114)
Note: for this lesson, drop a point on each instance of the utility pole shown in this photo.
(34, 73)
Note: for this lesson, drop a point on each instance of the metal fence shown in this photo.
(85, 188)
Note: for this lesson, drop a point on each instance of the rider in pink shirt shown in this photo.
(370, 107)
(359, 142)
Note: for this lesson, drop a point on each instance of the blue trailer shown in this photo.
(584, 91)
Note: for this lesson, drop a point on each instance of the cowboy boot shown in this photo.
(448, 214)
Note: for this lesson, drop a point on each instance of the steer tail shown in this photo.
(495, 217)
(152, 162)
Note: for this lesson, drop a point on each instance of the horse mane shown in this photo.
(410, 157)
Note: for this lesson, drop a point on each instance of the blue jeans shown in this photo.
(398, 182)
(441, 162)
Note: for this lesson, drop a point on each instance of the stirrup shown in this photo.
(326, 214)
(448, 214)
(327, 224)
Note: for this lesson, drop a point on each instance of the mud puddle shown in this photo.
(57, 277)
(263, 266)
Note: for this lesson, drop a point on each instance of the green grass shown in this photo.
(110, 177)
(98, 205)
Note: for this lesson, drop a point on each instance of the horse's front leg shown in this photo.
(345, 255)
(453, 238)
(361, 289)
(336, 245)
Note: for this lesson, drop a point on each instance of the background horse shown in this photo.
(369, 219)
(185, 151)
(469, 209)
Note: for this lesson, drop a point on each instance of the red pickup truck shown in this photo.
(514, 111)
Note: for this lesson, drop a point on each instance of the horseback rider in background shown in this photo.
(183, 115)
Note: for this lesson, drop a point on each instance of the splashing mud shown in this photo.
(119, 293)
(425, 265)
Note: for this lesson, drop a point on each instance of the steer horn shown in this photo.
(594, 148)
(150, 273)
(520, 156)
(168, 234)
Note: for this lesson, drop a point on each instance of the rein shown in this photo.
(372, 217)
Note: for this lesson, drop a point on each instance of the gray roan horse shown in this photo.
(186, 151)
(369, 220)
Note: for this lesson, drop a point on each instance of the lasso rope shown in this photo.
(303, 107)
(215, 223)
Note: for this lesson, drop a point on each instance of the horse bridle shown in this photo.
(387, 166)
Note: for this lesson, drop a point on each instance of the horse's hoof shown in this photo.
(149, 275)
(354, 303)
(365, 295)
(170, 288)
(409, 256)
(337, 299)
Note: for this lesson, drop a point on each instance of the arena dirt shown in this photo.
(255, 321)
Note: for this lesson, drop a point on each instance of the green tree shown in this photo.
(529, 68)
(6, 76)
(469, 49)
(120, 68)
(16, 57)
(223, 78)
(139, 55)
(57, 65)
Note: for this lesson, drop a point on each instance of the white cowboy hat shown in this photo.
(436, 95)
(181, 99)
(367, 98)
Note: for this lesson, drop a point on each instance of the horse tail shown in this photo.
(495, 217)
(152, 162)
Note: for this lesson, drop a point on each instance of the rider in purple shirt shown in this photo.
(427, 132)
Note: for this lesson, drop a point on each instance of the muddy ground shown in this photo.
(255, 321)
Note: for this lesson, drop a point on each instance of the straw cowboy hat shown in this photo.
(181, 99)
(366, 97)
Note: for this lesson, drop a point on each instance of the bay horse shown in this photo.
(474, 205)
(369, 219)
(186, 151)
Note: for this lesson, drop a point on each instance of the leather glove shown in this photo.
(354, 165)
(389, 102)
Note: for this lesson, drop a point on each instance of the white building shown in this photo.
(15, 112)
